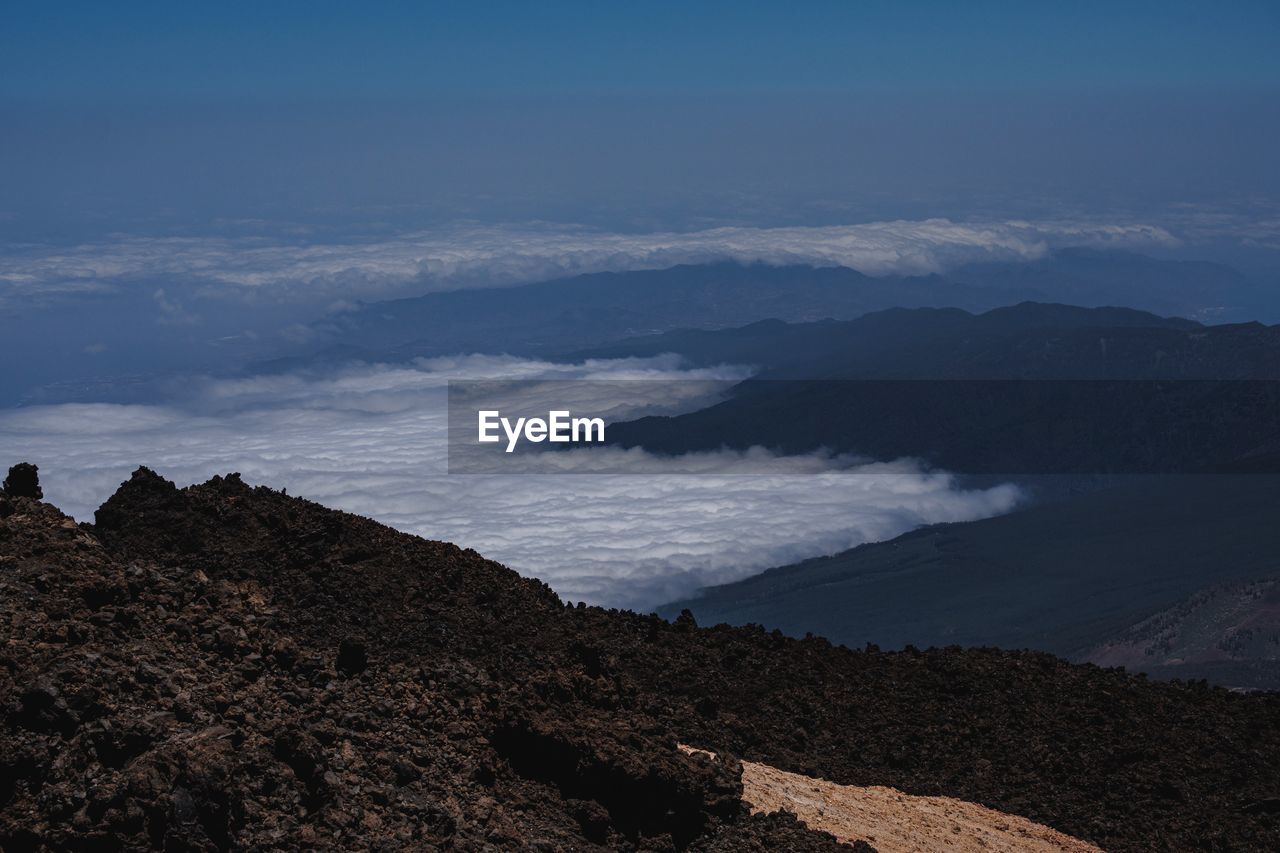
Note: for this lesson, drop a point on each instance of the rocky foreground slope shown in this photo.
(224, 667)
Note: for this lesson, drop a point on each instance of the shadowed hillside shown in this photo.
(233, 667)
(1061, 577)
(1031, 389)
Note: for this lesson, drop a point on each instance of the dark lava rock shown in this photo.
(23, 482)
(42, 709)
(353, 658)
(169, 679)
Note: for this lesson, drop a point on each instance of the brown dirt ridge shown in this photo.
(224, 667)
(895, 822)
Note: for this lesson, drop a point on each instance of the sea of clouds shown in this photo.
(494, 255)
(371, 439)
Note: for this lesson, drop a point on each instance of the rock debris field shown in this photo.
(225, 667)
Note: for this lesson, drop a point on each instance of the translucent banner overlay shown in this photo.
(987, 427)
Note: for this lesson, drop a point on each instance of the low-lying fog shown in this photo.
(370, 439)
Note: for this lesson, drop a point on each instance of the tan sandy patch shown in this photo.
(894, 822)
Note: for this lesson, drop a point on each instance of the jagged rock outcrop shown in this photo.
(226, 667)
(23, 481)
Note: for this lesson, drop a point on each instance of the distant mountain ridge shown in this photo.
(1028, 340)
(1202, 290)
(552, 318)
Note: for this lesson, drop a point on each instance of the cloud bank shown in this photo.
(477, 256)
(371, 440)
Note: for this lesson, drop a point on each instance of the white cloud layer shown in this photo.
(477, 256)
(371, 440)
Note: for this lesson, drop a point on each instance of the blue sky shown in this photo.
(321, 50)
(282, 116)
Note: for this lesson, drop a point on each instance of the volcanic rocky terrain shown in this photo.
(226, 667)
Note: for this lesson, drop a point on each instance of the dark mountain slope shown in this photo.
(1030, 389)
(1060, 577)
(1026, 341)
(1228, 633)
(234, 667)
